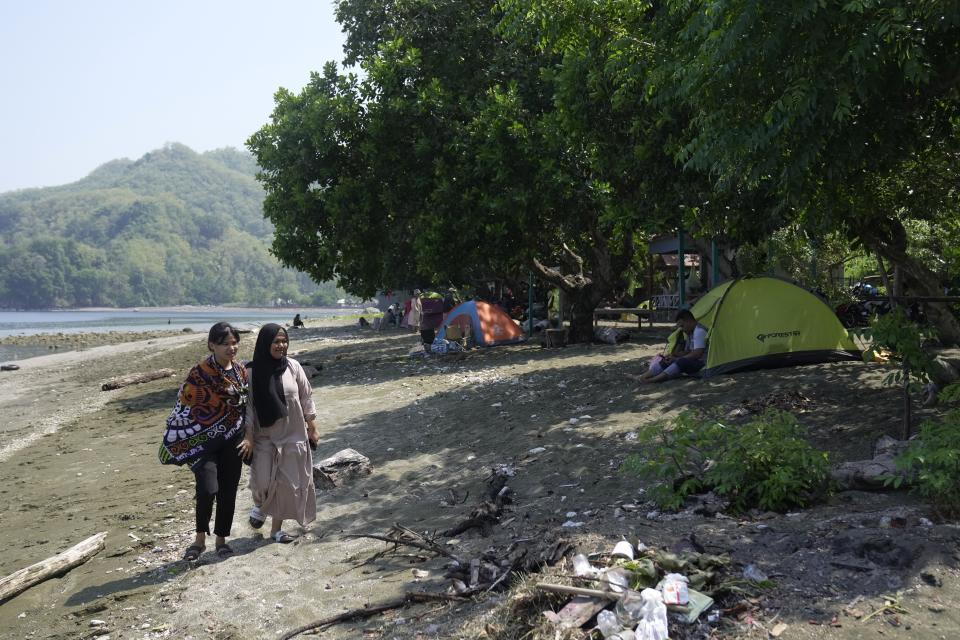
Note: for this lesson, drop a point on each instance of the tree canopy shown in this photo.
(477, 139)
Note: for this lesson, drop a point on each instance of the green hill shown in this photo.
(174, 227)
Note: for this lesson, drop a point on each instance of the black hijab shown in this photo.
(268, 397)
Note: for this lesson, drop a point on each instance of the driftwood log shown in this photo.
(344, 465)
(136, 378)
(54, 566)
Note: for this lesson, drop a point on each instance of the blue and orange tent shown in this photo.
(489, 325)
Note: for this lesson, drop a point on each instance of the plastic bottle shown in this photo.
(582, 566)
(629, 608)
(607, 623)
(615, 579)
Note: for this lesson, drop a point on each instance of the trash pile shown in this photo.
(637, 592)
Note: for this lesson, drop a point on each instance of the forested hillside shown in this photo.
(174, 227)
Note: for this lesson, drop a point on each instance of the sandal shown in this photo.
(283, 537)
(224, 550)
(256, 518)
(193, 552)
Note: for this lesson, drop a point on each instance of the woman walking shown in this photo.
(280, 432)
(204, 431)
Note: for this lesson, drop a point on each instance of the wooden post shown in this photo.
(650, 286)
(54, 566)
(681, 263)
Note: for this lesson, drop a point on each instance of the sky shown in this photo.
(83, 83)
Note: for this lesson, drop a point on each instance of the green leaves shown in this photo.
(764, 463)
(904, 340)
(933, 459)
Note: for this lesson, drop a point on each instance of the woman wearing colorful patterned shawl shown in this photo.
(203, 431)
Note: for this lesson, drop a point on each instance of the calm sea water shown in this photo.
(22, 323)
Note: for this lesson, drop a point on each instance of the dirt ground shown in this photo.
(76, 461)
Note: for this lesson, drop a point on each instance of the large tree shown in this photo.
(471, 147)
(847, 111)
(376, 179)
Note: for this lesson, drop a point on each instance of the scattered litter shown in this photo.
(583, 568)
(622, 549)
(570, 524)
(674, 589)
(537, 450)
(751, 572)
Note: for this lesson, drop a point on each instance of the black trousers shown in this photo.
(218, 477)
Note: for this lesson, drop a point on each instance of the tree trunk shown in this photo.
(586, 289)
(918, 279)
(581, 313)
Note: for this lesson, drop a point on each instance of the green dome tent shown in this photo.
(763, 323)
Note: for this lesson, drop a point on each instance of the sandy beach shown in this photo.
(77, 461)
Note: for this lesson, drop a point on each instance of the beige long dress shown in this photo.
(416, 313)
(281, 471)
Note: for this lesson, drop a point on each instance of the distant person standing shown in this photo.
(416, 311)
(280, 433)
(204, 431)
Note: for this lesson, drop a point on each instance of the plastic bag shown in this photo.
(653, 621)
(674, 589)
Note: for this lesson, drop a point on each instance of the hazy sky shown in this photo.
(85, 82)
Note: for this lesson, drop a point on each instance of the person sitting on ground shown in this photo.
(686, 358)
(297, 322)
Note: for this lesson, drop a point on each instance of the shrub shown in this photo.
(934, 460)
(763, 463)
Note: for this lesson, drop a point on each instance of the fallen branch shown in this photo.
(135, 378)
(367, 612)
(405, 536)
(577, 591)
(61, 563)
(488, 512)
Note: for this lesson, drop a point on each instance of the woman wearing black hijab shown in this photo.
(280, 432)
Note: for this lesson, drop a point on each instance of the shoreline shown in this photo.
(72, 376)
(60, 340)
(186, 308)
